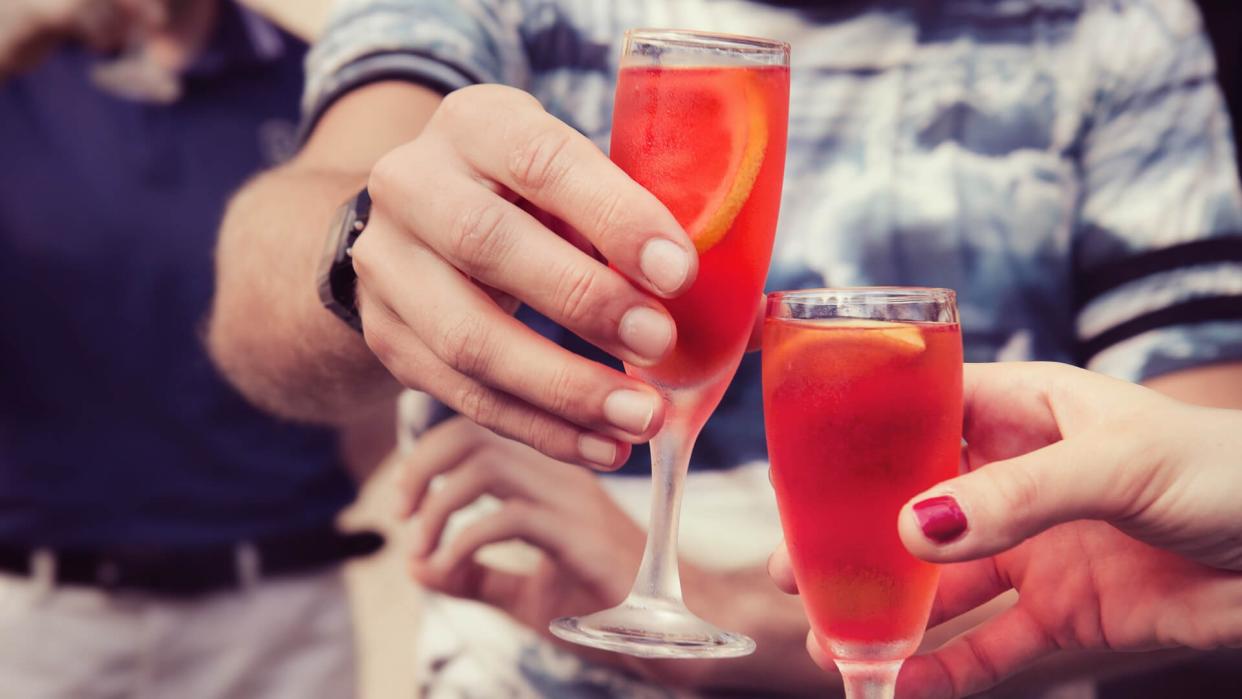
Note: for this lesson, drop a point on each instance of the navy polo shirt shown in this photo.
(115, 430)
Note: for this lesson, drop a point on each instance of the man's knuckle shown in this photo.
(385, 182)
(478, 403)
(545, 436)
(364, 257)
(578, 291)
(564, 395)
(466, 345)
(608, 212)
(538, 162)
(380, 336)
(456, 105)
(523, 426)
(464, 110)
(481, 236)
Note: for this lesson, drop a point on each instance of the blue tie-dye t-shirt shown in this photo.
(1066, 165)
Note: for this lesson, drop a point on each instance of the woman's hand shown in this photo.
(1111, 510)
(1049, 443)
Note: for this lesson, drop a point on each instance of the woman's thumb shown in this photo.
(1000, 505)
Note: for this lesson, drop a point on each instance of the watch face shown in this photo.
(335, 277)
(333, 249)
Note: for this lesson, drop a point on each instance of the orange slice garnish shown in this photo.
(849, 341)
(696, 139)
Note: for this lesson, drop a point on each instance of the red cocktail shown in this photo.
(700, 121)
(862, 413)
(710, 144)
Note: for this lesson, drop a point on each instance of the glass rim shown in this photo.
(877, 295)
(687, 38)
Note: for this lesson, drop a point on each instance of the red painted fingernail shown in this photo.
(940, 518)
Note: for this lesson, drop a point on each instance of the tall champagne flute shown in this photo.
(862, 402)
(700, 121)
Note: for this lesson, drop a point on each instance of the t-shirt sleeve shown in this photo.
(442, 44)
(1158, 241)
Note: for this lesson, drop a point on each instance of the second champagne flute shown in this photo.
(862, 400)
(700, 121)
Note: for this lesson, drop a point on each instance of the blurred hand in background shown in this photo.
(590, 547)
(31, 29)
(588, 550)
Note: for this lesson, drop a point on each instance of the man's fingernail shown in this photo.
(646, 331)
(940, 518)
(630, 410)
(665, 264)
(597, 450)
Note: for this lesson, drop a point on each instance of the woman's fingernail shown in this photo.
(597, 450)
(630, 410)
(646, 331)
(665, 264)
(940, 518)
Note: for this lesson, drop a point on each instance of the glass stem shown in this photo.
(658, 575)
(869, 680)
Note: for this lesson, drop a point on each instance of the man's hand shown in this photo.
(481, 200)
(30, 29)
(497, 201)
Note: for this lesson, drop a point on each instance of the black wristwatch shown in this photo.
(337, 279)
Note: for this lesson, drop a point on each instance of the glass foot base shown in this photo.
(659, 630)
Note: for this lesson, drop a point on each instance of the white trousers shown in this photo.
(283, 638)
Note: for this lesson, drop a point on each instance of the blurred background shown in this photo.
(386, 606)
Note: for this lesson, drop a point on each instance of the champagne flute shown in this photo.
(862, 402)
(700, 121)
